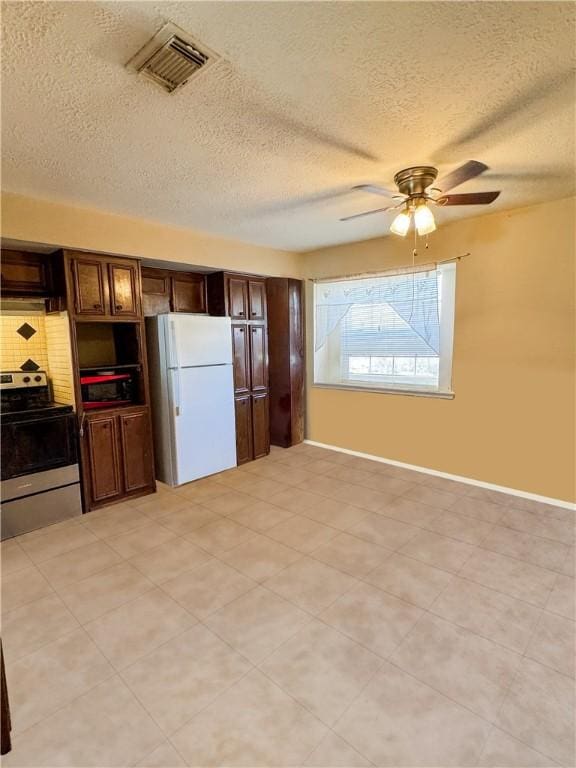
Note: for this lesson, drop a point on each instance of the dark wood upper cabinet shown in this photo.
(260, 426)
(101, 436)
(285, 307)
(238, 298)
(188, 293)
(101, 286)
(90, 286)
(124, 298)
(257, 299)
(244, 450)
(241, 358)
(165, 290)
(258, 358)
(136, 445)
(25, 274)
(156, 291)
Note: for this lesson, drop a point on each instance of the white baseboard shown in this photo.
(448, 476)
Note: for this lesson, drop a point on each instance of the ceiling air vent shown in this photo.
(171, 58)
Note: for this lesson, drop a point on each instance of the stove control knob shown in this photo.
(26, 379)
(37, 378)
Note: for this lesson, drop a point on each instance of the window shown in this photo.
(389, 332)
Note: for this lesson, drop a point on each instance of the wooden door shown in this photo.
(124, 298)
(258, 358)
(243, 408)
(260, 428)
(188, 293)
(90, 286)
(136, 445)
(156, 292)
(237, 298)
(103, 457)
(241, 358)
(257, 299)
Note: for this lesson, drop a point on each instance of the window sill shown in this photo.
(388, 391)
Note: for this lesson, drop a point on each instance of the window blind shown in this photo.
(389, 331)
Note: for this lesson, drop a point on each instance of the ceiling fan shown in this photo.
(415, 192)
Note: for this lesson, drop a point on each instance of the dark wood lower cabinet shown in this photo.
(252, 432)
(118, 451)
(102, 448)
(260, 429)
(136, 443)
(244, 442)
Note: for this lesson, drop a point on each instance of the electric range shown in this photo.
(40, 479)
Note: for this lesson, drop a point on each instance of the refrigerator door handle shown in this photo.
(173, 346)
(176, 391)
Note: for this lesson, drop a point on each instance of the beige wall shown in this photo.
(40, 221)
(512, 421)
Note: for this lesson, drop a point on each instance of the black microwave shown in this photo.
(104, 389)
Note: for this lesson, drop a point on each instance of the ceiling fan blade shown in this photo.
(375, 190)
(467, 171)
(368, 213)
(474, 198)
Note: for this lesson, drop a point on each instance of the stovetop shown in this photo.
(26, 397)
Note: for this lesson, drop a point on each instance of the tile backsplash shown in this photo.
(15, 348)
(32, 340)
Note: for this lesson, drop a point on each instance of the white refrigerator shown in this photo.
(192, 389)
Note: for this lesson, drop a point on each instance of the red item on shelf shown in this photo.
(100, 379)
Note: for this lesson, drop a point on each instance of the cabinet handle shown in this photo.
(254, 313)
(241, 330)
(119, 306)
(97, 306)
(241, 313)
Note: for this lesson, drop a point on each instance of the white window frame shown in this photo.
(447, 315)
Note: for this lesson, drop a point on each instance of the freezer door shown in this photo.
(205, 431)
(196, 340)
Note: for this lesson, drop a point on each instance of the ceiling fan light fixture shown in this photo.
(424, 220)
(401, 224)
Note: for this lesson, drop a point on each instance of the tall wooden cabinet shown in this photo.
(285, 304)
(103, 296)
(243, 299)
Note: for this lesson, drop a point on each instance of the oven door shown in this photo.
(39, 444)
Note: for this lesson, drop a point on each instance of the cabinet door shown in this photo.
(260, 428)
(24, 274)
(136, 444)
(241, 358)
(243, 429)
(103, 458)
(257, 299)
(124, 289)
(237, 298)
(188, 294)
(258, 358)
(155, 292)
(90, 286)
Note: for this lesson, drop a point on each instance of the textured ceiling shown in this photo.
(309, 99)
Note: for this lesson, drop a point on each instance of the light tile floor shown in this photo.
(308, 609)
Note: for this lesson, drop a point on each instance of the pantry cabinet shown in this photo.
(285, 307)
(118, 447)
(243, 298)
